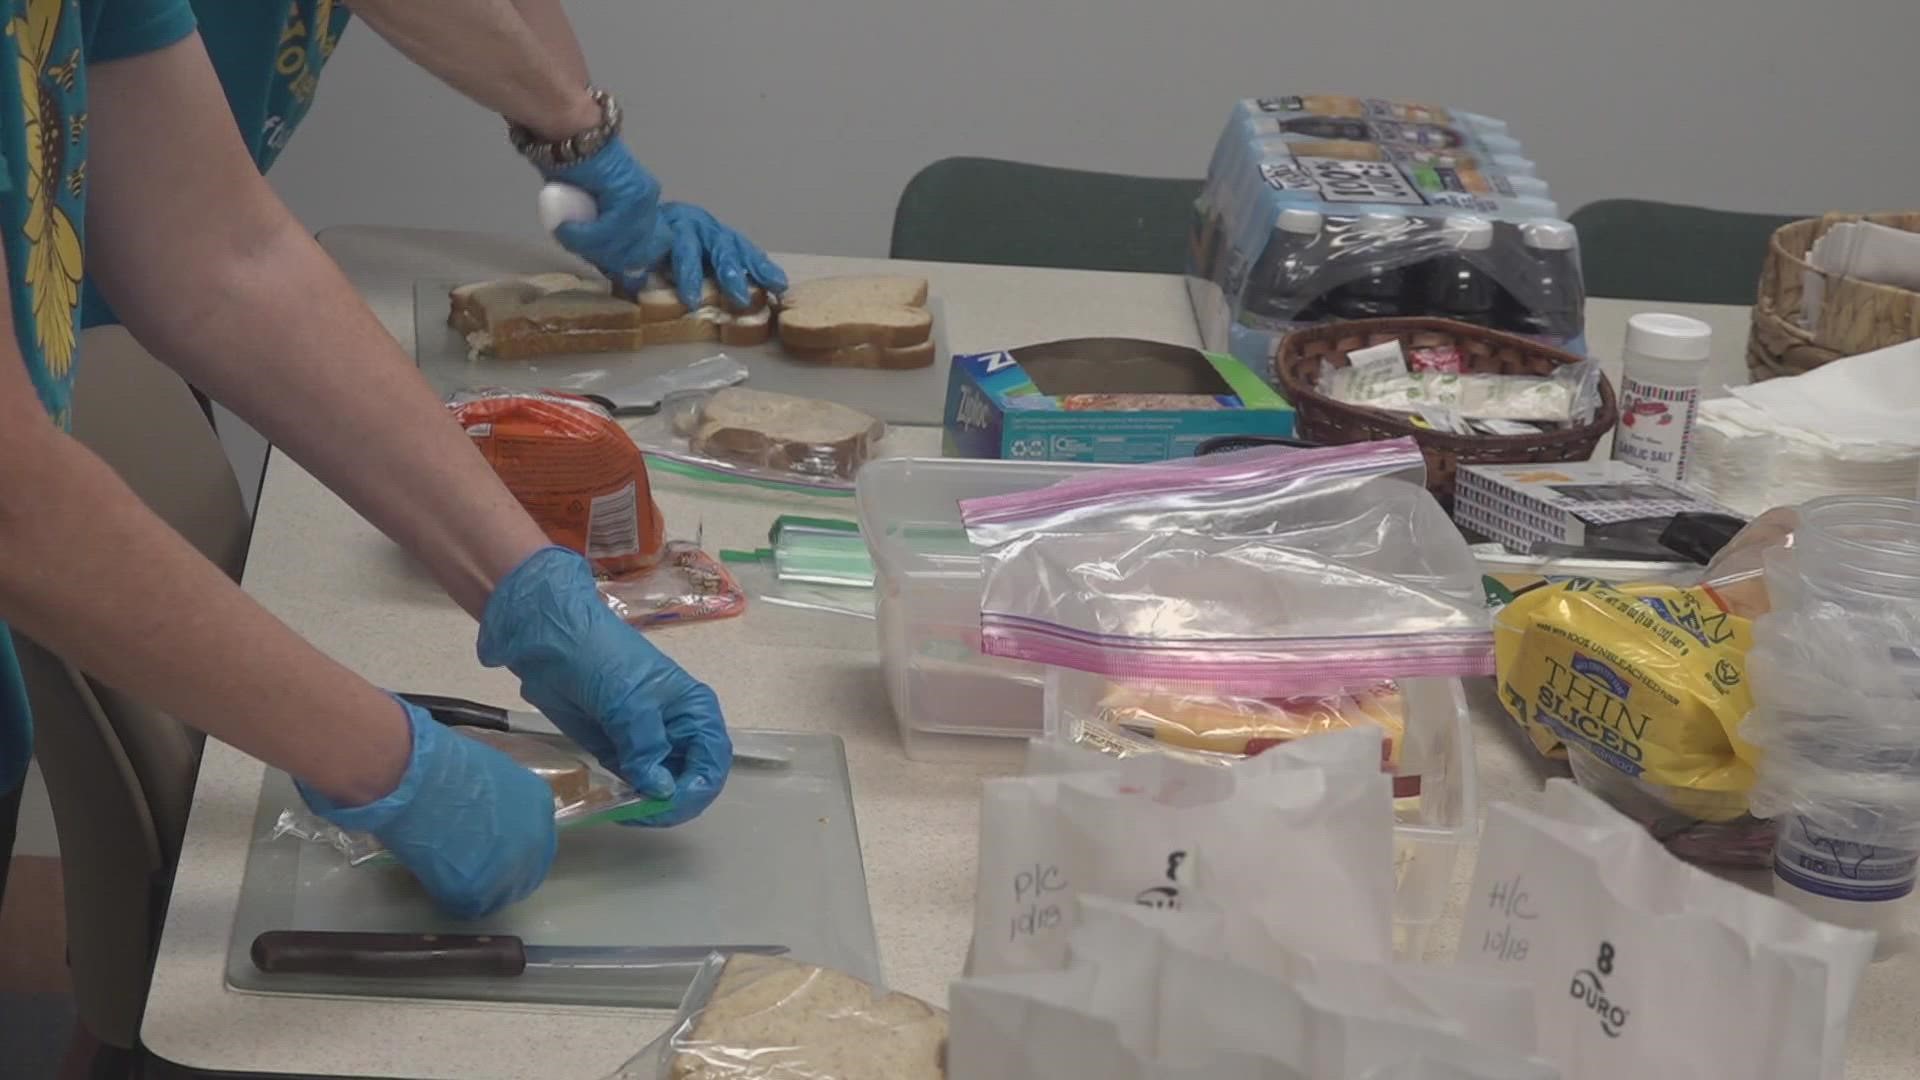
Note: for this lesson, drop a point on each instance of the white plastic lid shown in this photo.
(1537, 206)
(1547, 234)
(1500, 144)
(1469, 232)
(1514, 165)
(1528, 185)
(1669, 337)
(1379, 222)
(1300, 222)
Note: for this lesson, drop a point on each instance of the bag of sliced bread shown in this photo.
(576, 471)
(764, 437)
(748, 1017)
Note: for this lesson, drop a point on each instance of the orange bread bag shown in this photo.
(577, 472)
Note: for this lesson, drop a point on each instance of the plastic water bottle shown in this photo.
(1549, 303)
(1453, 285)
(1273, 287)
(1843, 771)
(1665, 358)
(1379, 290)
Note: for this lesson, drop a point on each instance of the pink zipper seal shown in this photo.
(1276, 467)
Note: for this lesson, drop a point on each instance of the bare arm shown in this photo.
(213, 274)
(87, 570)
(549, 22)
(519, 58)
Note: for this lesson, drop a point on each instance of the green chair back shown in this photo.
(983, 210)
(1638, 250)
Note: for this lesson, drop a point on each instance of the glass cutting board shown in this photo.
(775, 860)
(917, 396)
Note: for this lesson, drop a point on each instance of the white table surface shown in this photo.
(337, 581)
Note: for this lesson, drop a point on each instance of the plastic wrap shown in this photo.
(1322, 206)
(825, 551)
(579, 476)
(1263, 573)
(1737, 572)
(759, 436)
(752, 1017)
(625, 391)
(584, 793)
(688, 585)
(757, 572)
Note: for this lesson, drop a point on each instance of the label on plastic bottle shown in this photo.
(1812, 861)
(1656, 427)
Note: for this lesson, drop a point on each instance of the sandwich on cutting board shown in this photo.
(874, 321)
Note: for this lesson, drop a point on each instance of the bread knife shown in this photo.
(380, 954)
(461, 712)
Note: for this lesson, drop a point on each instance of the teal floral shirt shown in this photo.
(47, 47)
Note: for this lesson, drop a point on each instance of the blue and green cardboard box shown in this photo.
(1111, 400)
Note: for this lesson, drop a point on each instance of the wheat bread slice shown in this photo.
(784, 433)
(564, 322)
(889, 290)
(869, 356)
(469, 305)
(834, 313)
(783, 1020)
(553, 314)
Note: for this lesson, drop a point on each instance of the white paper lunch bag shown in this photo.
(1644, 966)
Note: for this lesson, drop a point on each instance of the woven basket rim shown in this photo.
(1904, 220)
(1296, 391)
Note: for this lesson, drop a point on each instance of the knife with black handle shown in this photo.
(379, 954)
(462, 712)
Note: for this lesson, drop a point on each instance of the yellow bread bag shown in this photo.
(1647, 680)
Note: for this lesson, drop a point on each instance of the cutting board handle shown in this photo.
(387, 955)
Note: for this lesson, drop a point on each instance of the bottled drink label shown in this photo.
(1829, 866)
(1656, 427)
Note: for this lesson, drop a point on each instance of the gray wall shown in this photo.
(801, 121)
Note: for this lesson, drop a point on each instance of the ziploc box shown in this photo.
(1563, 502)
(1107, 400)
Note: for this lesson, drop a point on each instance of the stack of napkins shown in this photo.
(1846, 428)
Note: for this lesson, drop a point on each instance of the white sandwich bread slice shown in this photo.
(865, 321)
(784, 1020)
(552, 314)
(783, 433)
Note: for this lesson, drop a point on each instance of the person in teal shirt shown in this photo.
(120, 166)
(521, 59)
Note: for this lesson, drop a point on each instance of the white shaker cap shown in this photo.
(1669, 337)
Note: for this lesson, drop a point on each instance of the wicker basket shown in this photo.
(1320, 419)
(1855, 316)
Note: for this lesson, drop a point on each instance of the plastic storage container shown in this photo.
(1837, 712)
(952, 702)
(1428, 829)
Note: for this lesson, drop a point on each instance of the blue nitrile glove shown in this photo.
(471, 823)
(701, 245)
(605, 685)
(627, 239)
